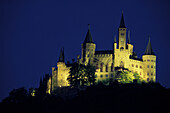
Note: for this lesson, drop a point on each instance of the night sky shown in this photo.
(32, 33)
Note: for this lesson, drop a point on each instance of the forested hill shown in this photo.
(114, 98)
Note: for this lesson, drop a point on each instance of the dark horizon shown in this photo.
(33, 32)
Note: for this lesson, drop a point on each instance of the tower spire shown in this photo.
(128, 36)
(61, 58)
(88, 38)
(122, 22)
(115, 39)
(149, 50)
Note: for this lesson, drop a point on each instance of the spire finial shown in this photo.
(61, 58)
(88, 26)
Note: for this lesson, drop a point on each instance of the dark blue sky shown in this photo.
(32, 33)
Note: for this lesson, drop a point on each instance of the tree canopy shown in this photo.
(81, 75)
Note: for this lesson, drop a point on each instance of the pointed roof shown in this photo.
(149, 50)
(61, 58)
(115, 39)
(122, 22)
(88, 38)
(128, 36)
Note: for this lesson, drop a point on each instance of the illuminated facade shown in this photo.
(106, 62)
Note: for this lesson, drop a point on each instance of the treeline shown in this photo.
(115, 98)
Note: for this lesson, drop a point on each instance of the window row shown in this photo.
(149, 60)
(101, 76)
(149, 79)
(136, 66)
(106, 67)
(150, 74)
(149, 66)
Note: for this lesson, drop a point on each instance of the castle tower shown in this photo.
(88, 48)
(149, 64)
(129, 45)
(122, 34)
(62, 71)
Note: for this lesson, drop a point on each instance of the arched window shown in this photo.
(101, 67)
(106, 68)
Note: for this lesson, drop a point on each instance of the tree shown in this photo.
(17, 96)
(128, 77)
(81, 75)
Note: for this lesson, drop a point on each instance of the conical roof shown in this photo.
(149, 50)
(88, 38)
(122, 22)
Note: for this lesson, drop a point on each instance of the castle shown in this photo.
(106, 62)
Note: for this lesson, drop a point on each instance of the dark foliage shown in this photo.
(115, 98)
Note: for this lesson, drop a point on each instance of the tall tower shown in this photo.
(62, 71)
(122, 34)
(149, 61)
(88, 48)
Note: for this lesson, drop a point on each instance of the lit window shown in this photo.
(136, 66)
(151, 66)
(106, 75)
(140, 73)
(132, 65)
(148, 66)
(101, 76)
(140, 67)
(148, 79)
(148, 74)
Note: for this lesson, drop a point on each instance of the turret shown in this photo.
(122, 34)
(129, 45)
(149, 61)
(88, 48)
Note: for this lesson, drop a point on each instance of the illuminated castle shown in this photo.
(106, 62)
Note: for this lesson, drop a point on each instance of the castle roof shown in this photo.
(88, 38)
(149, 50)
(122, 22)
(61, 58)
(104, 52)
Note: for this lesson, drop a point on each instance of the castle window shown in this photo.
(148, 60)
(97, 67)
(148, 79)
(136, 66)
(144, 60)
(151, 74)
(140, 73)
(140, 67)
(151, 66)
(111, 75)
(132, 65)
(106, 68)
(112, 67)
(148, 66)
(152, 79)
(101, 76)
(148, 74)
(101, 67)
(106, 75)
